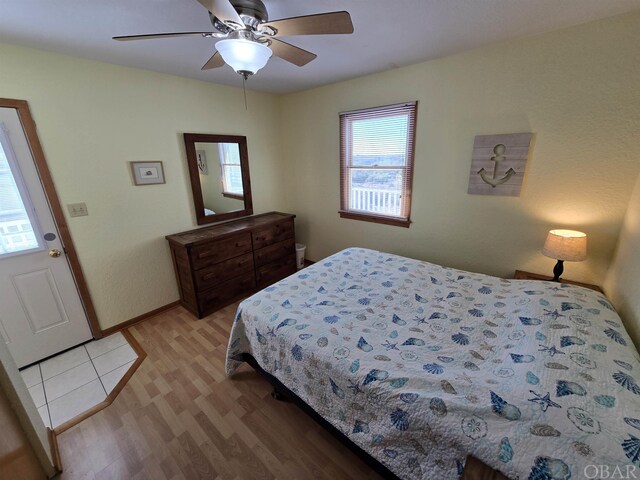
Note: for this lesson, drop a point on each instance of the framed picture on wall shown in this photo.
(201, 156)
(147, 173)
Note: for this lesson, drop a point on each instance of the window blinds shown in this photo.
(229, 154)
(376, 160)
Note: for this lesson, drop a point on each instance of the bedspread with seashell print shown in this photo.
(421, 365)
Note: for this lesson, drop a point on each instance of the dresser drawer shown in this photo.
(220, 295)
(220, 272)
(274, 252)
(274, 271)
(272, 234)
(225, 262)
(217, 251)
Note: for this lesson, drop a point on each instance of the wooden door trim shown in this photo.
(29, 127)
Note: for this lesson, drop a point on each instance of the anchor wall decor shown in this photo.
(498, 164)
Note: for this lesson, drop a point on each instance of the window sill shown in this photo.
(233, 195)
(369, 217)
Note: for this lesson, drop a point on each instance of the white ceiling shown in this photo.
(388, 33)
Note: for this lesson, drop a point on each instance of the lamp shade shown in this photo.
(567, 245)
(244, 55)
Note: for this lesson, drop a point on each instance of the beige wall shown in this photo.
(576, 89)
(210, 183)
(24, 435)
(623, 280)
(92, 119)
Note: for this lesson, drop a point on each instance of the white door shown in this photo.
(40, 309)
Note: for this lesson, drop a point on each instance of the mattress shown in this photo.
(422, 365)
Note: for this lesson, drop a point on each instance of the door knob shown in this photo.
(54, 253)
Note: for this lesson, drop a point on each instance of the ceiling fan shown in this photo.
(249, 38)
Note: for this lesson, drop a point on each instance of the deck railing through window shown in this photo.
(383, 202)
(376, 163)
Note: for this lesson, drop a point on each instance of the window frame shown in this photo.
(222, 154)
(346, 163)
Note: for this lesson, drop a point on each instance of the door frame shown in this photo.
(30, 131)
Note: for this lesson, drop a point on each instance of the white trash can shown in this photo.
(300, 248)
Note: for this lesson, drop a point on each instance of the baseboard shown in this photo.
(139, 318)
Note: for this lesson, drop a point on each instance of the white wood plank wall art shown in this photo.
(498, 164)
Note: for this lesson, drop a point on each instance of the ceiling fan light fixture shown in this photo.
(246, 57)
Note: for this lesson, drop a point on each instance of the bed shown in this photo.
(421, 366)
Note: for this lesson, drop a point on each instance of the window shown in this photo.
(14, 213)
(376, 163)
(231, 171)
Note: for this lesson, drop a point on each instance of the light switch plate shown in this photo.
(77, 209)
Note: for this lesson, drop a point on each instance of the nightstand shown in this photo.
(520, 275)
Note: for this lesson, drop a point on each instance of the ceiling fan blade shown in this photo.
(126, 38)
(320, 24)
(223, 10)
(215, 61)
(291, 53)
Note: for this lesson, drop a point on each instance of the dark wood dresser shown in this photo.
(220, 264)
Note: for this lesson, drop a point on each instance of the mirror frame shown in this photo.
(190, 140)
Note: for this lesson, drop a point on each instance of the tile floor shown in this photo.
(69, 384)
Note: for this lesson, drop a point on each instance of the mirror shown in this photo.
(219, 172)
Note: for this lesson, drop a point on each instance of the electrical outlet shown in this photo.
(77, 209)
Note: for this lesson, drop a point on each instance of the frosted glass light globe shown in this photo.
(244, 55)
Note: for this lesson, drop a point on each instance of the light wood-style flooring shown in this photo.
(179, 417)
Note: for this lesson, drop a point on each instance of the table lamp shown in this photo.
(565, 246)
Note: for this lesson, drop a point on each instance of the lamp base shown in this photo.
(557, 270)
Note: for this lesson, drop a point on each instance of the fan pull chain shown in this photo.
(244, 90)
